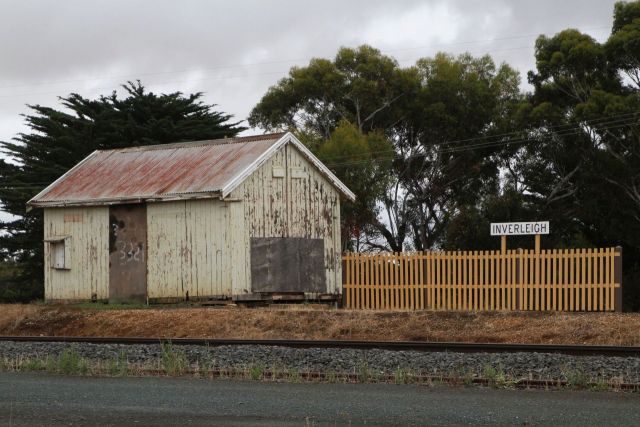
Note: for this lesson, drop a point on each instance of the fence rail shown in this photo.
(548, 280)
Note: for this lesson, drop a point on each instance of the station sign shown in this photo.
(519, 228)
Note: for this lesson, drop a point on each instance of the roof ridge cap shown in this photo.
(200, 143)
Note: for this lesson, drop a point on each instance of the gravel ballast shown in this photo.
(527, 365)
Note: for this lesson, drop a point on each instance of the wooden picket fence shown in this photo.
(550, 280)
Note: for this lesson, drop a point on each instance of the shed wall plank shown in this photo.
(88, 271)
(303, 203)
(189, 249)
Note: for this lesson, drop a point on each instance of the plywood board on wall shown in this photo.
(287, 264)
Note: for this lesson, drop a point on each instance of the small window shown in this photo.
(59, 253)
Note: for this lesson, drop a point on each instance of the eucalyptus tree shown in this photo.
(581, 167)
(431, 113)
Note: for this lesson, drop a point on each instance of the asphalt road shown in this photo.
(38, 399)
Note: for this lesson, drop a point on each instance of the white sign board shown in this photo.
(519, 228)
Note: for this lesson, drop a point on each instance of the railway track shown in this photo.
(575, 350)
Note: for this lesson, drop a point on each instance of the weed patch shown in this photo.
(174, 361)
(70, 363)
(576, 378)
(496, 377)
(256, 372)
(118, 366)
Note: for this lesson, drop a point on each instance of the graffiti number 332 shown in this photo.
(129, 252)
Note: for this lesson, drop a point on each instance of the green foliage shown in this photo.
(583, 171)
(10, 273)
(174, 361)
(623, 46)
(33, 364)
(118, 366)
(331, 376)
(415, 108)
(461, 99)
(403, 376)
(569, 61)
(360, 85)
(256, 372)
(468, 229)
(364, 373)
(59, 139)
(362, 162)
(576, 378)
(602, 385)
(293, 376)
(51, 364)
(69, 362)
(496, 377)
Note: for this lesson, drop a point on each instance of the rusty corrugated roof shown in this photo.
(156, 172)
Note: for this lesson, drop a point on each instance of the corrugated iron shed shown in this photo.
(183, 170)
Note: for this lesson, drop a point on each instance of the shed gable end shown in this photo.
(288, 197)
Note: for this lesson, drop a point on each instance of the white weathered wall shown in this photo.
(303, 203)
(203, 246)
(88, 271)
(190, 249)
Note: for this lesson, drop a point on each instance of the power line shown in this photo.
(603, 120)
(613, 124)
(605, 123)
(472, 147)
(500, 143)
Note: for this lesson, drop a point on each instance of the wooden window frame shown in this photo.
(54, 242)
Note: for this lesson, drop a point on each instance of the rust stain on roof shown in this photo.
(157, 171)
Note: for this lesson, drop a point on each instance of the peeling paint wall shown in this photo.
(190, 249)
(88, 263)
(288, 197)
(202, 247)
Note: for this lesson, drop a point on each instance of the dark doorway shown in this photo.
(128, 253)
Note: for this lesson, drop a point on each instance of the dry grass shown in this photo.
(299, 323)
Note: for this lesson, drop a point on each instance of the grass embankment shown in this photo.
(303, 323)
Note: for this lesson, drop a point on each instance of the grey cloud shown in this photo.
(51, 48)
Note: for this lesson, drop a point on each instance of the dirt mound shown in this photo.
(272, 323)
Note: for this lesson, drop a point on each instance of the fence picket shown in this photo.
(387, 282)
(409, 275)
(600, 280)
(471, 278)
(550, 280)
(612, 278)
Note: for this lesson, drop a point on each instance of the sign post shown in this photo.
(504, 229)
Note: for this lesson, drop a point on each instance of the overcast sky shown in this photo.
(234, 50)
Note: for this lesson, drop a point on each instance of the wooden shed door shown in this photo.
(128, 253)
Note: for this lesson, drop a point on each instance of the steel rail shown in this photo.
(458, 347)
